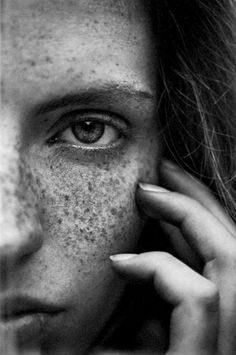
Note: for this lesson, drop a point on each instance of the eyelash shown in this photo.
(68, 120)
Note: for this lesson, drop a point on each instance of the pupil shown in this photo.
(88, 132)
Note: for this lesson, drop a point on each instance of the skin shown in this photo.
(204, 304)
(65, 207)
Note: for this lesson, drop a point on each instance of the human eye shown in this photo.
(89, 129)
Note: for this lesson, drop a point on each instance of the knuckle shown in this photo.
(191, 207)
(166, 257)
(232, 255)
(227, 259)
(209, 297)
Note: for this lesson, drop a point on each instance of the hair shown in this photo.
(197, 108)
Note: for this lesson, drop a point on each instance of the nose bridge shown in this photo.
(20, 230)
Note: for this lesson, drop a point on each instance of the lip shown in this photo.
(18, 306)
(28, 318)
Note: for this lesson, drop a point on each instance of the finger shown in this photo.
(176, 179)
(213, 242)
(194, 319)
(181, 247)
(223, 275)
(202, 230)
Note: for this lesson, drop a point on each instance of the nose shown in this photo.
(20, 228)
(18, 241)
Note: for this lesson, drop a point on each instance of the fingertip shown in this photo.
(151, 188)
(149, 196)
(121, 257)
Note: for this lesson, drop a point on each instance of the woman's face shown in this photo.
(77, 132)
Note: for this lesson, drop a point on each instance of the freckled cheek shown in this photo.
(97, 219)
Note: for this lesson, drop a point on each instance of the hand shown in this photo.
(203, 321)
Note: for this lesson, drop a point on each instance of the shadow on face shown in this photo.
(78, 130)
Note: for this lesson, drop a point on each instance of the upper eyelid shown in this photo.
(67, 118)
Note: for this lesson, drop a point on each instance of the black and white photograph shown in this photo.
(118, 177)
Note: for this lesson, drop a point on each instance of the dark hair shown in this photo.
(197, 109)
(198, 102)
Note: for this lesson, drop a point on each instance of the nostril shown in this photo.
(8, 251)
(32, 244)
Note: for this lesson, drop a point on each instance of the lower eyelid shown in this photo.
(79, 154)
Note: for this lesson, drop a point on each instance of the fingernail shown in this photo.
(152, 188)
(122, 257)
(169, 164)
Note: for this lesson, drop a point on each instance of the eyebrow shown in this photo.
(94, 95)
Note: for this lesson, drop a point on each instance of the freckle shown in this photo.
(59, 221)
(70, 71)
(120, 215)
(75, 215)
(90, 220)
(66, 212)
(104, 232)
(48, 59)
(44, 75)
(114, 211)
(32, 63)
(87, 210)
(82, 262)
(86, 237)
(90, 186)
(43, 210)
(67, 197)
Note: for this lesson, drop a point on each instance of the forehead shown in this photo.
(26, 23)
(50, 43)
(63, 9)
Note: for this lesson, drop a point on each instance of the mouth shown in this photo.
(17, 307)
(28, 318)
